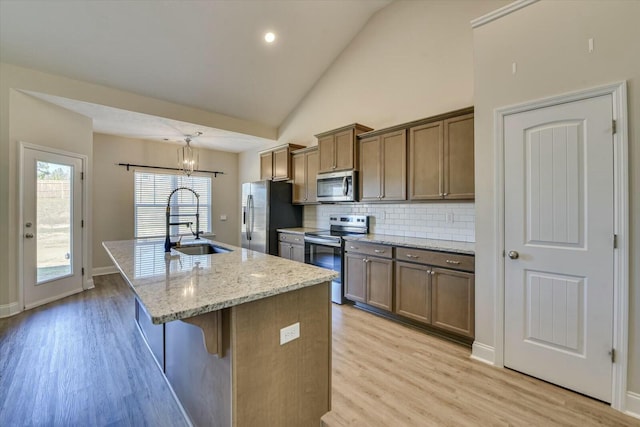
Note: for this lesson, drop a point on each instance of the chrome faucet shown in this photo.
(167, 241)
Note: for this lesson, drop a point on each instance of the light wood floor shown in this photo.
(81, 361)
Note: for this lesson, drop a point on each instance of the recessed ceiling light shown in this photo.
(269, 37)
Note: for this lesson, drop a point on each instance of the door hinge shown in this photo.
(82, 223)
(82, 271)
(615, 241)
(81, 175)
(612, 353)
(614, 127)
(504, 253)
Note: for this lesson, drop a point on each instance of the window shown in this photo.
(151, 192)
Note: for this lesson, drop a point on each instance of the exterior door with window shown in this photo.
(52, 264)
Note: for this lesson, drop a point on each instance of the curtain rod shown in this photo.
(130, 165)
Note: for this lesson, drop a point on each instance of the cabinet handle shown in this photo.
(452, 262)
(296, 239)
(445, 194)
(412, 256)
(364, 260)
(379, 251)
(353, 247)
(432, 272)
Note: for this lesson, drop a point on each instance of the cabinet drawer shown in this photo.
(439, 259)
(382, 251)
(296, 239)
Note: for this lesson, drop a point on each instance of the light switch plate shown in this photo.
(289, 333)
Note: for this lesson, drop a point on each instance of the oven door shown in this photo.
(336, 187)
(329, 257)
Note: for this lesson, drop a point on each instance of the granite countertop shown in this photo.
(466, 248)
(176, 286)
(298, 230)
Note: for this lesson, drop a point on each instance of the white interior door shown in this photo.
(559, 225)
(52, 226)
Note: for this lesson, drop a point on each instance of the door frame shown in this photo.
(84, 206)
(618, 91)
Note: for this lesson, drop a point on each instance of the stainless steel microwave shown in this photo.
(337, 186)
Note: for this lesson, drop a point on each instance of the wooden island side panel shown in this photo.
(282, 385)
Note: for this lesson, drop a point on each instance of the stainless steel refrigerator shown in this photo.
(266, 207)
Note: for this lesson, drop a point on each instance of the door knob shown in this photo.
(513, 254)
(28, 225)
(29, 235)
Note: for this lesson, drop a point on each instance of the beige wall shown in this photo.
(113, 210)
(36, 123)
(549, 42)
(413, 59)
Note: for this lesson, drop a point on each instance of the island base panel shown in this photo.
(257, 381)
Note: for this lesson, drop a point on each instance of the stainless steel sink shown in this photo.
(202, 249)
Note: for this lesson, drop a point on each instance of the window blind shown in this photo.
(151, 192)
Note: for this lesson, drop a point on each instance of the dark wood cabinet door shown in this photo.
(380, 283)
(299, 174)
(312, 163)
(354, 277)
(459, 158)
(327, 154)
(266, 165)
(413, 291)
(345, 150)
(425, 161)
(393, 147)
(284, 250)
(281, 164)
(453, 301)
(297, 253)
(370, 169)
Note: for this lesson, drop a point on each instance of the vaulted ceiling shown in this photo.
(205, 54)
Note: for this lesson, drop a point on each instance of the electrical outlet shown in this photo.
(449, 217)
(289, 333)
(223, 217)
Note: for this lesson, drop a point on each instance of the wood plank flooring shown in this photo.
(386, 374)
(81, 362)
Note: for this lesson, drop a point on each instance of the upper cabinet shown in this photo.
(383, 166)
(305, 168)
(337, 148)
(441, 159)
(275, 164)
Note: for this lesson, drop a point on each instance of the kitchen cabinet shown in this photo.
(337, 148)
(441, 158)
(431, 288)
(305, 170)
(383, 166)
(369, 274)
(275, 164)
(291, 246)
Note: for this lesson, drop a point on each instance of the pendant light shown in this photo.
(188, 156)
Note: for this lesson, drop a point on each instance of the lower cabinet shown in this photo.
(369, 279)
(413, 291)
(430, 287)
(453, 301)
(291, 246)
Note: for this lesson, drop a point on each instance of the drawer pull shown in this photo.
(379, 251)
(412, 256)
(353, 247)
(296, 239)
(452, 262)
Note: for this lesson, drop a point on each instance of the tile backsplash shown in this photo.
(443, 221)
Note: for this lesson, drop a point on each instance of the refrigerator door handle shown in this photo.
(246, 224)
(251, 216)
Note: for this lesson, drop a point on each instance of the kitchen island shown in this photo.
(217, 326)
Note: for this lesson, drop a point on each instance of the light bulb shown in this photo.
(269, 37)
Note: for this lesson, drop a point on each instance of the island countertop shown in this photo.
(176, 286)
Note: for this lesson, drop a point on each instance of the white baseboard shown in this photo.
(101, 271)
(483, 353)
(89, 284)
(55, 298)
(633, 404)
(7, 310)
